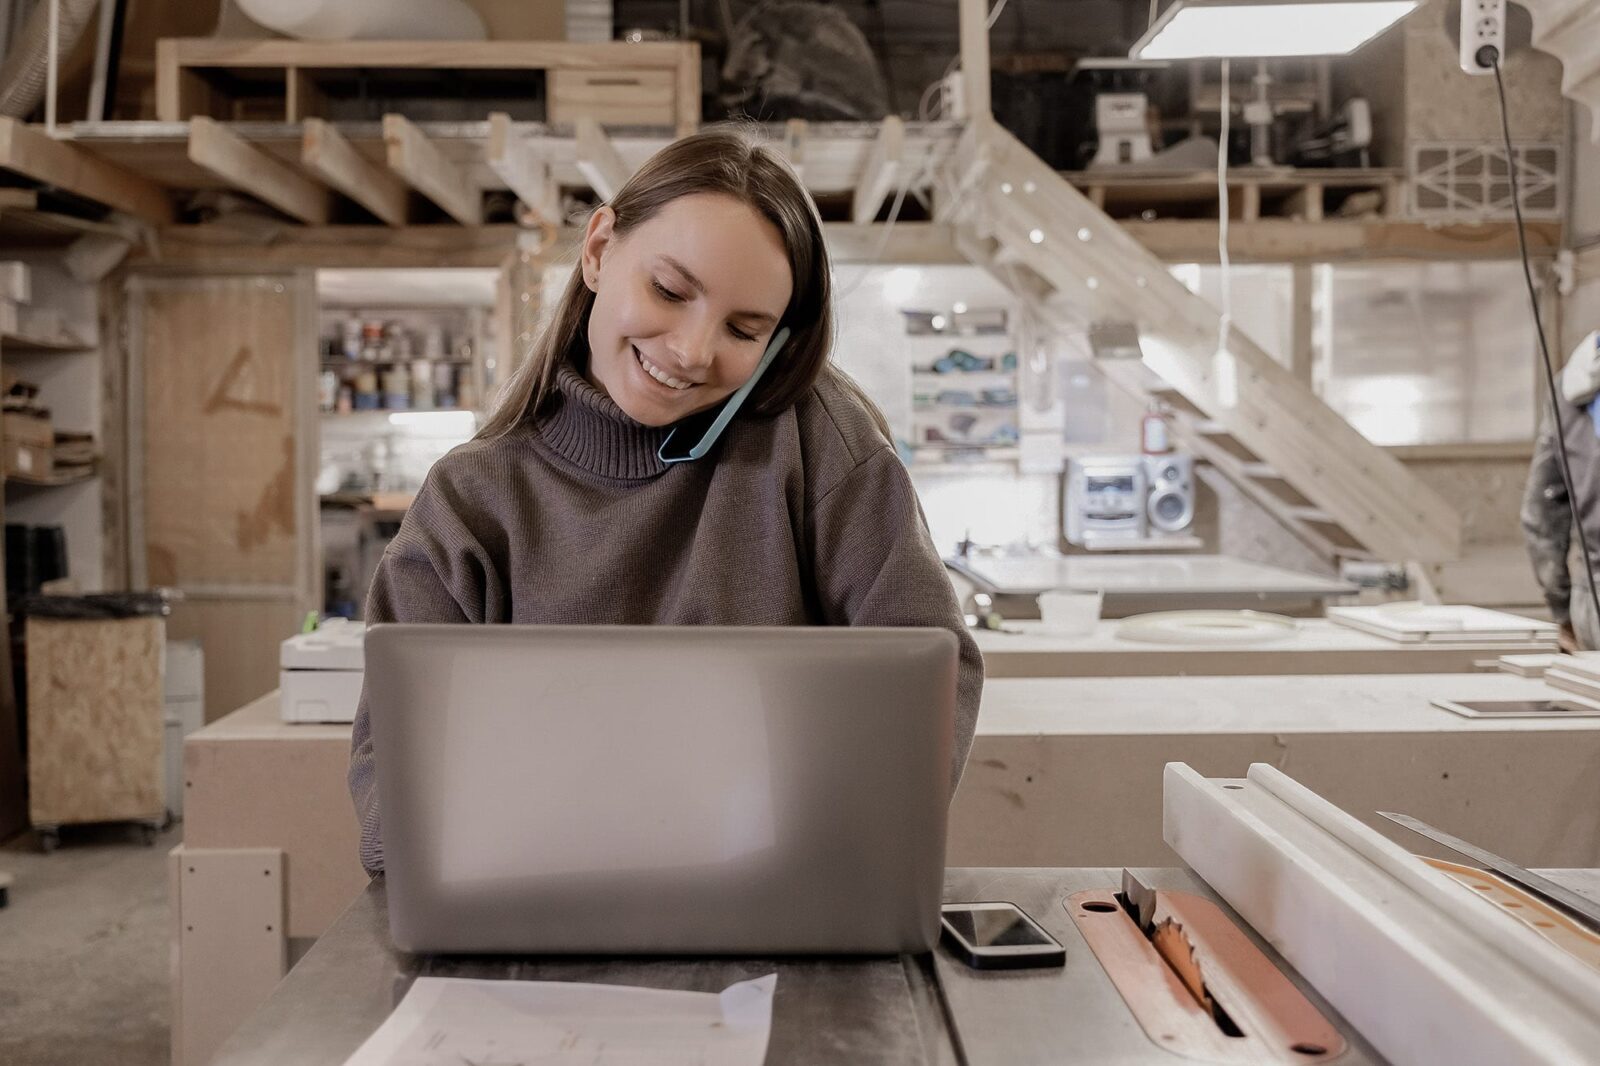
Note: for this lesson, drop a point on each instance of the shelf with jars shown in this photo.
(403, 359)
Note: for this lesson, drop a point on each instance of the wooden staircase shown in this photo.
(1256, 422)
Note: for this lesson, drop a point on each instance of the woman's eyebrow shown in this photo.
(700, 286)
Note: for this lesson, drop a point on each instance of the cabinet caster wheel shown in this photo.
(49, 840)
(147, 833)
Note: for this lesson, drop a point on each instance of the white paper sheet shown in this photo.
(447, 1021)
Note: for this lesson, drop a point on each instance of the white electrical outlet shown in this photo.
(1483, 24)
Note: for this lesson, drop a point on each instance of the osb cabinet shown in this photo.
(95, 721)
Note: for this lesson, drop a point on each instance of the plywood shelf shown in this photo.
(52, 482)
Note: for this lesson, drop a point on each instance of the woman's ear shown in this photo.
(596, 239)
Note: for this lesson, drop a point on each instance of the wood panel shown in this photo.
(221, 501)
(229, 943)
(95, 720)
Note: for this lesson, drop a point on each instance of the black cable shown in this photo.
(1538, 325)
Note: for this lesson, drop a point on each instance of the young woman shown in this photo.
(561, 510)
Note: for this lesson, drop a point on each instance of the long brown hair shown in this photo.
(732, 163)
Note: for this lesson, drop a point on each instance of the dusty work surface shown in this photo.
(1318, 646)
(830, 1010)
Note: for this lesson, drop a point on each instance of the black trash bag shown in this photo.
(98, 605)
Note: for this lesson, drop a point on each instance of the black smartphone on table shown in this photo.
(998, 936)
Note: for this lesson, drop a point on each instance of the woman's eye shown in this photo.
(666, 293)
(741, 334)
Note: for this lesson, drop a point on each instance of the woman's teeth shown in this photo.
(660, 375)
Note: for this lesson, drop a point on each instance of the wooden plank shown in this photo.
(1274, 240)
(687, 92)
(418, 160)
(881, 171)
(326, 153)
(220, 246)
(1305, 204)
(598, 161)
(246, 167)
(618, 97)
(304, 98)
(520, 167)
(1324, 888)
(36, 155)
(229, 943)
(466, 55)
(94, 720)
(1302, 322)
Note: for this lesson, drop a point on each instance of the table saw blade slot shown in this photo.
(1195, 983)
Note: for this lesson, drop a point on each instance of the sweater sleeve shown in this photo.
(433, 571)
(875, 565)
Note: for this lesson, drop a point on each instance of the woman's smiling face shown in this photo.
(684, 304)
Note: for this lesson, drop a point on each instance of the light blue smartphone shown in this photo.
(692, 437)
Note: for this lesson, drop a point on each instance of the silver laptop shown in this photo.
(655, 789)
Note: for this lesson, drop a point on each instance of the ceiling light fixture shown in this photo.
(1266, 29)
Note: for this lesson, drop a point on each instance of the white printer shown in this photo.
(319, 673)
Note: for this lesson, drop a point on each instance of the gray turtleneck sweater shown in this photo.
(805, 518)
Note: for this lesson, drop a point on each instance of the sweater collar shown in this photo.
(588, 429)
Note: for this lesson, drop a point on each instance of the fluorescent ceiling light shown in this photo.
(1218, 29)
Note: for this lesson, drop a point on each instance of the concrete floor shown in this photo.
(83, 950)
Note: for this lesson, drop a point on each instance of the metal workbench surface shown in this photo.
(926, 1010)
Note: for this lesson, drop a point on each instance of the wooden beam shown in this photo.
(325, 152)
(517, 164)
(246, 167)
(686, 94)
(1282, 240)
(303, 99)
(419, 161)
(881, 170)
(227, 247)
(39, 157)
(598, 159)
(1302, 322)
(975, 57)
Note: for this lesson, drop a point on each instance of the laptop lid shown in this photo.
(662, 789)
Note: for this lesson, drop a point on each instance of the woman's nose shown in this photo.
(695, 344)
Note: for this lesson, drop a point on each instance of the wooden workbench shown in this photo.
(1027, 649)
(1068, 770)
(268, 862)
(1063, 771)
(1136, 584)
(831, 1010)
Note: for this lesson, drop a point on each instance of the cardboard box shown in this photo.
(27, 460)
(22, 428)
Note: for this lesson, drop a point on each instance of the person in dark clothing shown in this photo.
(1548, 511)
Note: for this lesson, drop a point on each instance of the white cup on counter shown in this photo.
(1070, 612)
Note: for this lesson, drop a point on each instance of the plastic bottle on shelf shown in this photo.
(422, 390)
(397, 388)
(366, 390)
(352, 337)
(444, 385)
(1155, 436)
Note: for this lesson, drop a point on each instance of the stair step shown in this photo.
(1260, 470)
(1313, 514)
